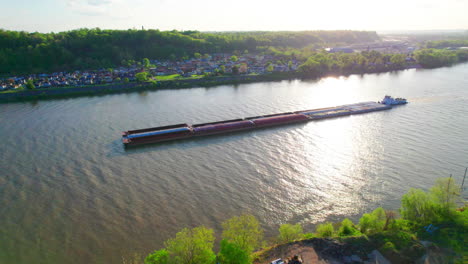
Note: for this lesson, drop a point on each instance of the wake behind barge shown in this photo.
(181, 131)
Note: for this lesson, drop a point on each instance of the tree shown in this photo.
(158, 257)
(270, 68)
(373, 222)
(222, 69)
(192, 246)
(146, 63)
(398, 59)
(417, 206)
(197, 55)
(446, 194)
(141, 76)
(347, 228)
(234, 58)
(244, 231)
(126, 80)
(231, 253)
(290, 233)
(325, 230)
(30, 84)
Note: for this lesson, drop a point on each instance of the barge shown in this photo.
(181, 131)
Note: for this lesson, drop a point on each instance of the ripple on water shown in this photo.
(71, 193)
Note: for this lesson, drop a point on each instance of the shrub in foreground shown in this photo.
(325, 230)
(288, 233)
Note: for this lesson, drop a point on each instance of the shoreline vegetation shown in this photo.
(186, 59)
(428, 225)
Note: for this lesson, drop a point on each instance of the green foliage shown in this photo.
(146, 63)
(222, 69)
(399, 239)
(192, 246)
(22, 52)
(158, 257)
(270, 68)
(446, 194)
(197, 55)
(373, 222)
(243, 231)
(142, 76)
(400, 225)
(231, 253)
(388, 246)
(398, 59)
(447, 43)
(347, 228)
(417, 206)
(438, 205)
(288, 233)
(234, 58)
(30, 84)
(432, 58)
(126, 80)
(325, 230)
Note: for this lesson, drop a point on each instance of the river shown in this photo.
(71, 193)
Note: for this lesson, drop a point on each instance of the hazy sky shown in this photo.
(219, 15)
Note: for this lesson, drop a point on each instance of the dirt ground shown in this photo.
(314, 251)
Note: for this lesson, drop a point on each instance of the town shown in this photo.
(199, 66)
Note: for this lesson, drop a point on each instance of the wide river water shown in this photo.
(71, 193)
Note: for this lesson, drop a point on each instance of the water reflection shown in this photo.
(67, 185)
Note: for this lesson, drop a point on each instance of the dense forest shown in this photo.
(23, 52)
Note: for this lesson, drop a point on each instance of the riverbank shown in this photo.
(67, 92)
(64, 92)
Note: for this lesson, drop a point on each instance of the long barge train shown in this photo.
(181, 131)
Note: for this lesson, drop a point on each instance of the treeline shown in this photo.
(432, 58)
(323, 63)
(431, 215)
(23, 52)
(447, 43)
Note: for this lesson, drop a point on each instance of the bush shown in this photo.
(417, 206)
(290, 233)
(30, 85)
(141, 76)
(437, 205)
(244, 231)
(388, 246)
(192, 246)
(158, 257)
(373, 222)
(347, 229)
(230, 253)
(325, 230)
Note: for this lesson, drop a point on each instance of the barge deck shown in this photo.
(181, 131)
